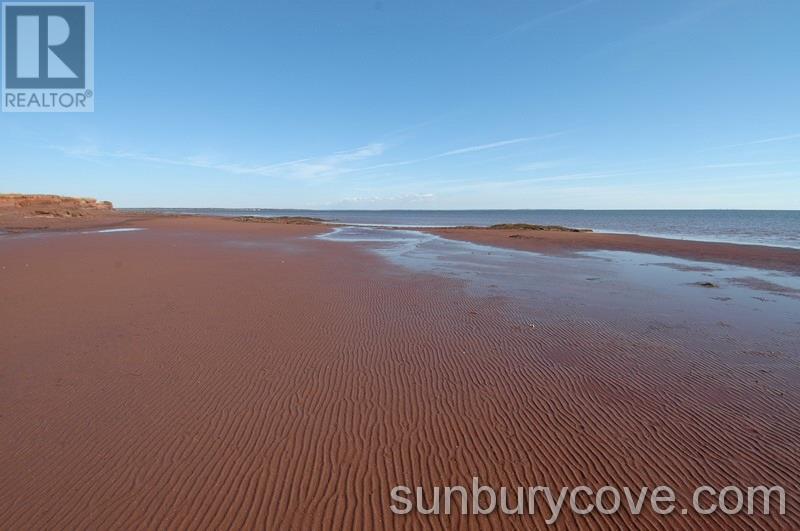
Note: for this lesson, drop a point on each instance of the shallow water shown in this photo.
(36, 235)
(749, 308)
(106, 231)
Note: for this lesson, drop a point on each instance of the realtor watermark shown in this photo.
(550, 504)
(48, 56)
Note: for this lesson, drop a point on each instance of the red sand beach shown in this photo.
(204, 373)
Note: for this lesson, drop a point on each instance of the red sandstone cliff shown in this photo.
(54, 205)
(36, 211)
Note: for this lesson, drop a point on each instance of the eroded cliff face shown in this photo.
(38, 211)
(52, 205)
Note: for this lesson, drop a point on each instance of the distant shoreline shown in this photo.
(23, 213)
(548, 242)
(774, 228)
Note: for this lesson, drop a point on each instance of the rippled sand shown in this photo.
(207, 374)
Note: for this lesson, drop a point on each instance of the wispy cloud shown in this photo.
(308, 168)
(544, 18)
(643, 36)
(364, 152)
(464, 150)
(539, 165)
(484, 184)
(769, 140)
(744, 164)
(484, 147)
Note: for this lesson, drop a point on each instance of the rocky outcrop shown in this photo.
(526, 226)
(286, 220)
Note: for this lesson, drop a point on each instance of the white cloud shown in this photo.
(304, 169)
(492, 145)
(463, 150)
(744, 164)
(482, 147)
(757, 142)
(540, 165)
(545, 18)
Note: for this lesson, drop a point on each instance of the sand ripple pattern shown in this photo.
(172, 382)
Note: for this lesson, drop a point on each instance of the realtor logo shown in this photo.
(48, 57)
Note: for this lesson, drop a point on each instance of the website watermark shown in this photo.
(550, 504)
(48, 56)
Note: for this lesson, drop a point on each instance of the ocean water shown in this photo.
(765, 227)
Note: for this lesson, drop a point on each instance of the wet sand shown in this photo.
(762, 256)
(13, 223)
(204, 373)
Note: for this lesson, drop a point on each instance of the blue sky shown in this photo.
(429, 104)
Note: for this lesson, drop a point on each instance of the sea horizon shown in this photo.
(777, 228)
